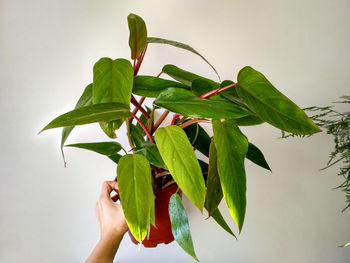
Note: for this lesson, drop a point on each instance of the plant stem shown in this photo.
(168, 184)
(216, 91)
(159, 121)
(139, 107)
(136, 109)
(188, 123)
(162, 174)
(139, 61)
(176, 115)
(144, 128)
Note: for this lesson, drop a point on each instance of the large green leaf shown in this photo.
(199, 138)
(84, 100)
(182, 46)
(90, 114)
(110, 149)
(232, 147)
(136, 194)
(138, 35)
(256, 156)
(113, 81)
(179, 225)
(150, 151)
(186, 103)
(271, 105)
(150, 86)
(214, 191)
(179, 157)
(186, 77)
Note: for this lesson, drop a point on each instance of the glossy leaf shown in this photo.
(110, 149)
(138, 35)
(186, 103)
(179, 157)
(231, 91)
(271, 105)
(256, 156)
(186, 77)
(136, 194)
(151, 87)
(249, 120)
(150, 151)
(200, 87)
(84, 100)
(199, 138)
(137, 135)
(113, 81)
(182, 46)
(232, 147)
(90, 114)
(179, 225)
(214, 191)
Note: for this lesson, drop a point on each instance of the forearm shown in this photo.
(105, 250)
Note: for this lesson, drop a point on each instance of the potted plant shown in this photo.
(163, 162)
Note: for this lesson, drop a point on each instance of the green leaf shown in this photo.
(179, 225)
(151, 152)
(345, 245)
(214, 191)
(180, 45)
(256, 156)
(179, 157)
(271, 105)
(231, 91)
(110, 149)
(200, 87)
(113, 82)
(217, 216)
(138, 35)
(151, 87)
(232, 147)
(90, 114)
(84, 100)
(186, 103)
(137, 135)
(136, 194)
(198, 137)
(186, 77)
(249, 121)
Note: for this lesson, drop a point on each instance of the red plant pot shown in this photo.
(162, 233)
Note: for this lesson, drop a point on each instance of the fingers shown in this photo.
(107, 188)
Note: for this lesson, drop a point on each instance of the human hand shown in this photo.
(109, 214)
(112, 223)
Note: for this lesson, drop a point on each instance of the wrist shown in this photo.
(112, 236)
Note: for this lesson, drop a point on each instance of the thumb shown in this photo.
(107, 188)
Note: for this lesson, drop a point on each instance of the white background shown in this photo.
(47, 51)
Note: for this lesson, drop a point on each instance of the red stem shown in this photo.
(136, 109)
(176, 116)
(144, 128)
(216, 91)
(139, 107)
(139, 61)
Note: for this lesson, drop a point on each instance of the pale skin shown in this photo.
(112, 223)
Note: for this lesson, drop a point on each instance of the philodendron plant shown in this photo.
(163, 156)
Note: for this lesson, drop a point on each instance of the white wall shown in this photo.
(47, 50)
